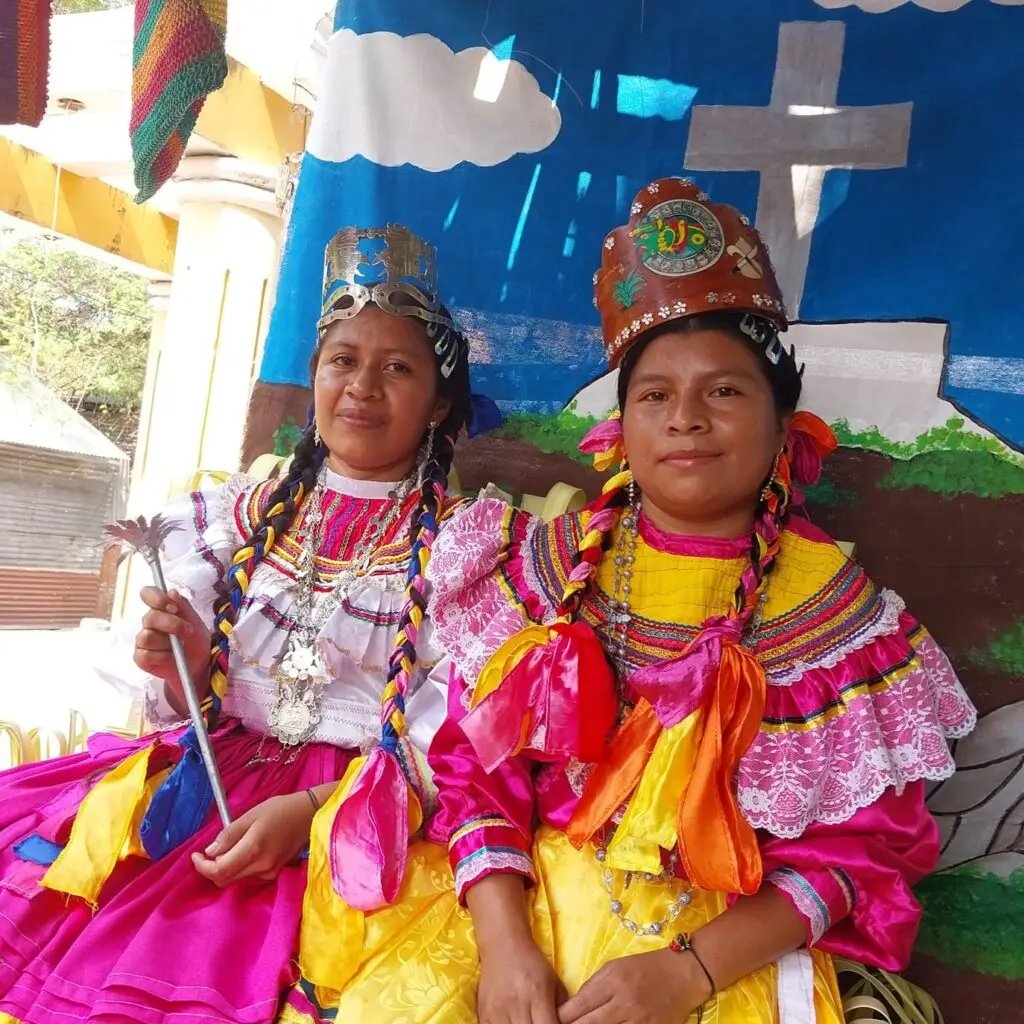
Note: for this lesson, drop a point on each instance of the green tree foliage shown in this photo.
(81, 325)
(81, 6)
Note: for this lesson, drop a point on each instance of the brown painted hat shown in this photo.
(680, 255)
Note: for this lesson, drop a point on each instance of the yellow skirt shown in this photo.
(420, 963)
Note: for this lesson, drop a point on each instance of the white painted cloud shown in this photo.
(410, 99)
(881, 6)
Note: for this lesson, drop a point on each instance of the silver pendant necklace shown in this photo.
(301, 674)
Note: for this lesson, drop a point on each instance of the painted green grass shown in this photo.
(552, 433)
(286, 437)
(958, 472)
(952, 437)
(825, 494)
(973, 920)
(1005, 652)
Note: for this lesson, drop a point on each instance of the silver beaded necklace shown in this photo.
(300, 676)
(620, 618)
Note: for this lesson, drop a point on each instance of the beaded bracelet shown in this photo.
(682, 944)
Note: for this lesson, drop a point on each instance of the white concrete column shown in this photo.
(141, 501)
(207, 334)
(224, 269)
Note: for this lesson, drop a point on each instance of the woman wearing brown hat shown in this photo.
(721, 725)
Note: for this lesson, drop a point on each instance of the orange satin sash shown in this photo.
(718, 848)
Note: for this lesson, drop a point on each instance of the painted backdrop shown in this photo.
(880, 146)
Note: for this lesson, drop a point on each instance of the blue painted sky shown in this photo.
(518, 242)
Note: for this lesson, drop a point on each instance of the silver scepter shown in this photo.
(147, 538)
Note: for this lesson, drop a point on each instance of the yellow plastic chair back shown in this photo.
(12, 746)
(200, 479)
(78, 733)
(43, 744)
(562, 498)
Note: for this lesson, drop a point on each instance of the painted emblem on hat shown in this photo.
(679, 237)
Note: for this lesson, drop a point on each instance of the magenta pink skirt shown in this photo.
(165, 945)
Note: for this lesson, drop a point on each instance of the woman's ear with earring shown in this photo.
(317, 439)
(767, 490)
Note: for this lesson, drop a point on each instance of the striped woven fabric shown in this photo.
(178, 60)
(24, 60)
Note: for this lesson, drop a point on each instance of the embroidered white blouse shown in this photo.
(355, 641)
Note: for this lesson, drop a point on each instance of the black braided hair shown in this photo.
(423, 531)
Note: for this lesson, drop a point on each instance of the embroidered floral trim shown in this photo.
(489, 860)
(472, 616)
(885, 624)
(845, 883)
(475, 825)
(806, 900)
(791, 778)
(577, 773)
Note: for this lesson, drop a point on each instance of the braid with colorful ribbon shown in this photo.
(765, 541)
(424, 531)
(282, 505)
(599, 524)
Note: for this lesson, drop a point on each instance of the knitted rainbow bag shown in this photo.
(24, 60)
(179, 58)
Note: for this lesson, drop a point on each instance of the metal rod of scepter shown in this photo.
(194, 710)
(147, 539)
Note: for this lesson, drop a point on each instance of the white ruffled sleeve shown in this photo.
(195, 557)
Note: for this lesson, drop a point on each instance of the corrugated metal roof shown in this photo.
(56, 506)
(44, 599)
(31, 414)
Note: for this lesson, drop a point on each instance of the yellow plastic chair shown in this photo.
(12, 747)
(562, 498)
(201, 478)
(78, 733)
(43, 744)
(263, 466)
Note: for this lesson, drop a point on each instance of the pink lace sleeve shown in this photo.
(843, 733)
(483, 590)
(853, 883)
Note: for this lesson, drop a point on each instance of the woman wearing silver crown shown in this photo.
(122, 899)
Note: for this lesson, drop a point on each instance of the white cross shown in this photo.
(793, 141)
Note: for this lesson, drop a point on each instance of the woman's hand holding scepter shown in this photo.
(147, 538)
